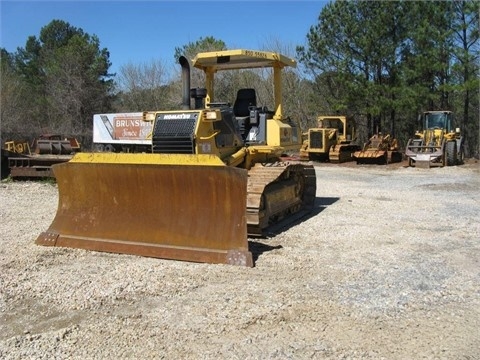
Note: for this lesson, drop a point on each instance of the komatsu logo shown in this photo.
(177, 116)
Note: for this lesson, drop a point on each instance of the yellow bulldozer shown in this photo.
(333, 140)
(439, 144)
(215, 176)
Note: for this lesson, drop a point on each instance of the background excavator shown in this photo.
(215, 174)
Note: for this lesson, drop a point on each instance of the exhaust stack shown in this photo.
(185, 82)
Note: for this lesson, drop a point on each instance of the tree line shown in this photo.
(388, 61)
(383, 63)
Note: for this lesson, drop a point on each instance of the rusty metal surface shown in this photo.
(371, 156)
(53, 147)
(31, 172)
(34, 166)
(191, 213)
(381, 157)
(277, 191)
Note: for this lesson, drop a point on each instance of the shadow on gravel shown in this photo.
(257, 248)
(319, 205)
(324, 202)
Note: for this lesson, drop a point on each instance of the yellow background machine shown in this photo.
(332, 141)
(439, 144)
(379, 149)
(214, 175)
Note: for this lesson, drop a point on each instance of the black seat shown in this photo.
(245, 99)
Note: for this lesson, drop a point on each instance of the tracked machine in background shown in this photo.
(214, 175)
(35, 160)
(333, 140)
(439, 144)
(380, 149)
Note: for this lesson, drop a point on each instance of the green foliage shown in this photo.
(13, 92)
(65, 74)
(206, 44)
(385, 62)
(7, 180)
(49, 181)
(191, 49)
(142, 87)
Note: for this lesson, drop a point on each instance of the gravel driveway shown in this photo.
(387, 267)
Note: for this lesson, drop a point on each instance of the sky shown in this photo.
(139, 32)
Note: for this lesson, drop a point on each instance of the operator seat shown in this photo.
(245, 99)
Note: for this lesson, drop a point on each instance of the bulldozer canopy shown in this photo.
(240, 59)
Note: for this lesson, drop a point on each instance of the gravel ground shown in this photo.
(387, 267)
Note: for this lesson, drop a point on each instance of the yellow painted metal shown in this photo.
(17, 147)
(277, 80)
(280, 133)
(240, 59)
(209, 85)
(148, 159)
(211, 62)
(187, 206)
(332, 140)
(428, 147)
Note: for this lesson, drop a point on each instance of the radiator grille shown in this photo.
(316, 139)
(174, 136)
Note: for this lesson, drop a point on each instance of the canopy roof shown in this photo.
(240, 59)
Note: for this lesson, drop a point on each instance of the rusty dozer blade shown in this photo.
(372, 156)
(182, 207)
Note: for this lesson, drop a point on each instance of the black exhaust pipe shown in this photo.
(185, 82)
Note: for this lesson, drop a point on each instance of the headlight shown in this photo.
(212, 115)
(148, 116)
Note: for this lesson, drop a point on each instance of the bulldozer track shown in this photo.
(342, 153)
(283, 178)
